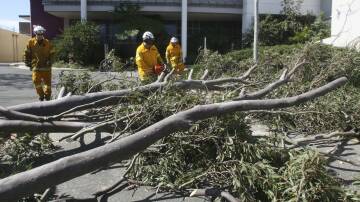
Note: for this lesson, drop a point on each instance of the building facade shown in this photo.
(191, 20)
(345, 31)
(53, 24)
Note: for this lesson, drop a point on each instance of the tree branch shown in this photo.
(55, 107)
(214, 193)
(98, 126)
(205, 75)
(284, 78)
(168, 75)
(14, 115)
(190, 74)
(81, 107)
(48, 175)
(122, 179)
(61, 93)
(241, 79)
(102, 82)
(9, 126)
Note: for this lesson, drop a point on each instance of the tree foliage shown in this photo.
(133, 23)
(22, 151)
(290, 27)
(80, 43)
(221, 152)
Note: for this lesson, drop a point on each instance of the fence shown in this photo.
(12, 46)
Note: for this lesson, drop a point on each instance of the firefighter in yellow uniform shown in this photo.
(147, 57)
(38, 56)
(174, 55)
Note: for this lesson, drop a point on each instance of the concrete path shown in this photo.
(15, 86)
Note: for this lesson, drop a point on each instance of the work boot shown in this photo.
(41, 99)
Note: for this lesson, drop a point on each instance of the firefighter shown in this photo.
(38, 57)
(148, 59)
(174, 56)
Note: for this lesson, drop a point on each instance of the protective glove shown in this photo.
(29, 65)
(166, 68)
(48, 63)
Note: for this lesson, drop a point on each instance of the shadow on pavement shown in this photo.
(18, 81)
(98, 141)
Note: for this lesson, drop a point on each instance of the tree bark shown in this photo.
(54, 107)
(14, 115)
(10, 126)
(48, 175)
(284, 78)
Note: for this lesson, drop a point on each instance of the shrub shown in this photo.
(289, 27)
(76, 83)
(23, 150)
(318, 30)
(79, 43)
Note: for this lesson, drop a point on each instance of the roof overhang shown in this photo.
(102, 12)
(25, 17)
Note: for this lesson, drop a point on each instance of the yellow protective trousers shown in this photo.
(177, 66)
(174, 57)
(42, 83)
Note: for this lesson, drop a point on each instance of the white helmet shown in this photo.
(39, 29)
(148, 36)
(174, 40)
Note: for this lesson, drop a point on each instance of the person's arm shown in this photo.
(139, 60)
(167, 55)
(27, 56)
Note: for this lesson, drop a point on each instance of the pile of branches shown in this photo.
(186, 132)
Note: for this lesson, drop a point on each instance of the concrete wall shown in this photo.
(12, 46)
(345, 29)
(275, 7)
(326, 7)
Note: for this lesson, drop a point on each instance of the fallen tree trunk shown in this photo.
(54, 107)
(58, 106)
(14, 115)
(48, 175)
(19, 126)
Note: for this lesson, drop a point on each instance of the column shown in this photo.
(83, 10)
(248, 15)
(184, 19)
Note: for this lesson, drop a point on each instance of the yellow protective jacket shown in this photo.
(39, 56)
(174, 57)
(146, 59)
